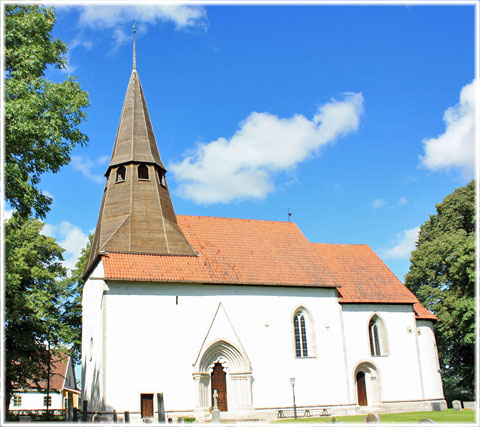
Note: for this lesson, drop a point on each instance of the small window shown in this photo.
(17, 400)
(121, 173)
(299, 324)
(47, 401)
(161, 178)
(90, 350)
(143, 172)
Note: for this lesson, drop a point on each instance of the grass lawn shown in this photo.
(448, 416)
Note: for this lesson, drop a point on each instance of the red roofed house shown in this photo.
(185, 305)
(62, 386)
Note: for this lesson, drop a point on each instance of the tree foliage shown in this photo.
(34, 301)
(442, 275)
(73, 307)
(41, 117)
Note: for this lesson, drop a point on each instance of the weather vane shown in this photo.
(134, 52)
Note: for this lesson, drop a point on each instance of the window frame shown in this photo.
(143, 165)
(377, 336)
(118, 177)
(17, 400)
(303, 334)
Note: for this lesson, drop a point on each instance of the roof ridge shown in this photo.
(236, 219)
(341, 244)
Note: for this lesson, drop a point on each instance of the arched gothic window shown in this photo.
(300, 328)
(143, 171)
(121, 172)
(377, 335)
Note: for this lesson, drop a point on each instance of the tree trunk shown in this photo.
(8, 391)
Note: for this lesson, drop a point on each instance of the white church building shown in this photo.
(185, 305)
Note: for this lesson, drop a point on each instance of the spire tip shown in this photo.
(134, 51)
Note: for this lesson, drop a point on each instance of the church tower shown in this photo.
(136, 214)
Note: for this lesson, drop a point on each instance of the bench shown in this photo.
(307, 413)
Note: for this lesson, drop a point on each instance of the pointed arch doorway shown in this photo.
(218, 382)
(225, 368)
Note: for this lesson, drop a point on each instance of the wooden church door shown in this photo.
(361, 389)
(219, 383)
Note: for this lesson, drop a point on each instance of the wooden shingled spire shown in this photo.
(136, 214)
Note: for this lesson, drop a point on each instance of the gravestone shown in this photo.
(457, 405)
(372, 418)
(215, 411)
(470, 405)
(426, 421)
(161, 408)
(70, 406)
(85, 411)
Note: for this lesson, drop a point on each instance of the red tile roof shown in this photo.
(58, 374)
(252, 252)
(231, 251)
(365, 278)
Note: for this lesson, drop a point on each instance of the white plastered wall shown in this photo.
(158, 336)
(429, 360)
(398, 374)
(154, 343)
(93, 309)
(32, 400)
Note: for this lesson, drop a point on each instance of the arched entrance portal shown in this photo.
(224, 368)
(367, 384)
(218, 382)
(361, 389)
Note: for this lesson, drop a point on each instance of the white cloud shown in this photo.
(244, 166)
(404, 246)
(48, 194)
(377, 203)
(114, 17)
(7, 214)
(402, 201)
(455, 148)
(70, 237)
(85, 166)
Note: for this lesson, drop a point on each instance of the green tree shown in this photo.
(73, 306)
(34, 301)
(42, 117)
(442, 275)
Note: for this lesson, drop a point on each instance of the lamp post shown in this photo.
(292, 382)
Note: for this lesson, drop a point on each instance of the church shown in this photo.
(178, 309)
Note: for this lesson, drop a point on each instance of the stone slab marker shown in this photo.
(470, 405)
(85, 410)
(215, 412)
(161, 408)
(457, 405)
(372, 418)
(70, 406)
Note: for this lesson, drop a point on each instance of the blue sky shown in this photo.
(358, 119)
